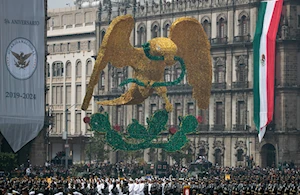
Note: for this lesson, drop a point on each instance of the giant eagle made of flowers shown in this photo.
(187, 44)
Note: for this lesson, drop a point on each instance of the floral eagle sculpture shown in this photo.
(187, 44)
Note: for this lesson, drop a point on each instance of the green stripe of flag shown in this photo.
(256, 62)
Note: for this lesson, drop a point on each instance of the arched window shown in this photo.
(241, 74)
(218, 157)
(101, 82)
(68, 69)
(89, 67)
(206, 27)
(220, 71)
(48, 70)
(240, 155)
(166, 30)
(102, 35)
(244, 26)
(141, 36)
(222, 28)
(155, 31)
(78, 69)
(57, 69)
(167, 75)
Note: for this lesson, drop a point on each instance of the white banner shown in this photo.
(22, 59)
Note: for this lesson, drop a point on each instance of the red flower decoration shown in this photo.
(199, 119)
(117, 127)
(87, 119)
(173, 130)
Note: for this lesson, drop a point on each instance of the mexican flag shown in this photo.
(264, 63)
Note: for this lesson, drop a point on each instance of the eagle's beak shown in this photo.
(169, 60)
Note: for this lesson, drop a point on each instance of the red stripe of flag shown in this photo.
(271, 43)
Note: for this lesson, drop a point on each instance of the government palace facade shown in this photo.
(226, 133)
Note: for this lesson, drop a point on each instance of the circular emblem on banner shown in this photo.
(21, 58)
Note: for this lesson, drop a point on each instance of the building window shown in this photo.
(101, 82)
(119, 115)
(68, 47)
(78, 124)
(68, 69)
(54, 95)
(298, 21)
(89, 68)
(68, 94)
(218, 157)
(78, 69)
(222, 28)
(166, 30)
(120, 78)
(58, 126)
(48, 70)
(177, 113)
(153, 108)
(240, 155)
(78, 94)
(102, 36)
(78, 46)
(139, 113)
(57, 95)
(206, 27)
(57, 69)
(241, 113)
(241, 72)
(203, 114)
(219, 113)
(190, 109)
(220, 74)
(89, 45)
(244, 26)
(141, 36)
(177, 73)
(155, 31)
(167, 75)
(53, 48)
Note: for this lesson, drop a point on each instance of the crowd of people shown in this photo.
(217, 180)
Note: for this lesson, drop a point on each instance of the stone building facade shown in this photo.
(71, 46)
(226, 134)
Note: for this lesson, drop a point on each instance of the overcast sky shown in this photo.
(59, 3)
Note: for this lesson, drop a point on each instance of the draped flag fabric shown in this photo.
(264, 63)
(22, 59)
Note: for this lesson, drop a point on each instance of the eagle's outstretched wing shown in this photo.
(16, 55)
(26, 56)
(194, 47)
(115, 49)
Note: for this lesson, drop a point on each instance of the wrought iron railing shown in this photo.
(239, 85)
(219, 40)
(219, 85)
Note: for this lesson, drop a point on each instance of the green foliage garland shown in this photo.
(139, 137)
(146, 48)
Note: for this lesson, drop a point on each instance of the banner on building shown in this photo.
(264, 63)
(22, 59)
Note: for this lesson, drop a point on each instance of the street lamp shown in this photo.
(65, 136)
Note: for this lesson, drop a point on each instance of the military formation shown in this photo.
(217, 180)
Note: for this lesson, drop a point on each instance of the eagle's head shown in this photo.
(165, 47)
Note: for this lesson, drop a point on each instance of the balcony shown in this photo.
(219, 85)
(243, 38)
(218, 127)
(203, 127)
(240, 127)
(240, 85)
(219, 40)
